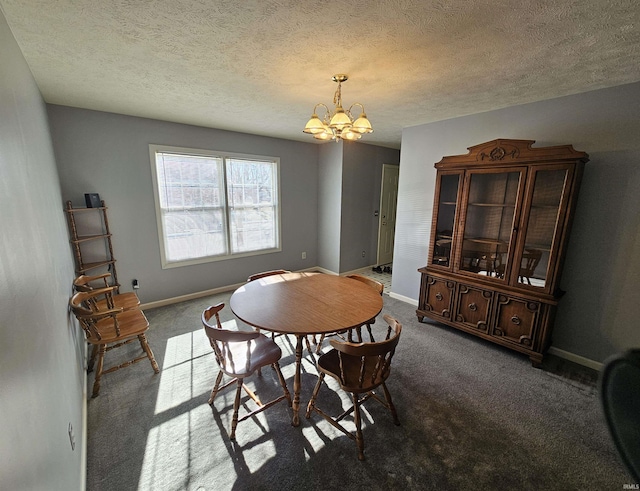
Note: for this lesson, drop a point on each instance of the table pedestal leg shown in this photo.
(296, 383)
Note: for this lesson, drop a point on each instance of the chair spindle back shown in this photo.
(221, 339)
(85, 307)
(366, 365)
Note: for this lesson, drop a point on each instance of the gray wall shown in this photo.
(596, 317)
(108, 154)
(329, 205)
(349, 182)
(361, 184)
(41, 350)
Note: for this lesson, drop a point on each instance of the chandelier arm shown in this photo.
(326, 109)
(351, 107)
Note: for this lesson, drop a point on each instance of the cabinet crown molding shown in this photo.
(503, 151)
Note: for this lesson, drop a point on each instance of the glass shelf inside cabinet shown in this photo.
(446, 218)
(489, 222)
(541, 228)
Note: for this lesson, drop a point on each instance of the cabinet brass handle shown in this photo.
(439, 296)
(516, 320)
(473, 307)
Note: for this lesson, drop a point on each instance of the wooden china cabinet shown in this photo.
(500, 228)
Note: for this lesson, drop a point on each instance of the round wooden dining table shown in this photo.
(305, 304)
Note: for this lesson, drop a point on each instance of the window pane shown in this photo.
(251, 195)
(193, 217)
(194, 234)
(253, 229)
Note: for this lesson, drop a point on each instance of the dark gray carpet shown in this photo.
(474, 416)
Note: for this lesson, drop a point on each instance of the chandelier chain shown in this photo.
(337, 97)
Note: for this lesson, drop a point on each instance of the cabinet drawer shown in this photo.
(516, 320)
(437, 296)
(473, 307)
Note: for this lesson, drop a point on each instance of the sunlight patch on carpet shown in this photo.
(184, 374)
(161, 463)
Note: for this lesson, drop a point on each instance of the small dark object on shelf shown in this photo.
(92, 200)
(377, 269)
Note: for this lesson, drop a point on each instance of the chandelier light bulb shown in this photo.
(350, 135)
(340, 120)
(362, 125)
(314, 125)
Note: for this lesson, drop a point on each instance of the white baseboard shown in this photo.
(213, 291)
(402, 298)
(365, 269)
(580, 360)
(190, 296)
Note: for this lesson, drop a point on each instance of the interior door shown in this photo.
(387, 220)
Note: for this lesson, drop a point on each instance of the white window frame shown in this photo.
(154, 149)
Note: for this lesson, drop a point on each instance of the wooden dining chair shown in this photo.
(530, 260)
(111, 300)
(239, 354)
(126, 301)
(359, 368)
(109, 328)
(377, 286)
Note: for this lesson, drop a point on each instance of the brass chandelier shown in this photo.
(339, 124)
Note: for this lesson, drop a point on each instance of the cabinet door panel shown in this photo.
(546, 212)
(473, 307)
(438, 296)
(446, 202)
(516, 320)
(492, 200)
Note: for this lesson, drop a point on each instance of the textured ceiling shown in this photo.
(259, 66)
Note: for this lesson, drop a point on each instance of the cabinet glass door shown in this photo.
(546, 206)
(447, 203)
(489, 222)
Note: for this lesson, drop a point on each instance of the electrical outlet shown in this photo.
(135, 284)
(304, 255)
(363, 254)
